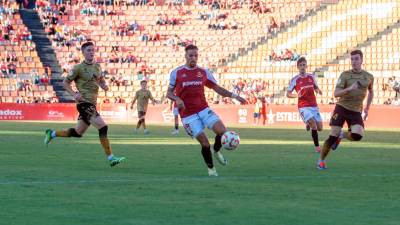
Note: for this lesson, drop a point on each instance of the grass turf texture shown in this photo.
(271, 179)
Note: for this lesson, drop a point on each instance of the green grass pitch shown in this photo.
(271, 179)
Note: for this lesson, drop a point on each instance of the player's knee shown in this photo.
(103, 132)
(72, 133)
(356, 137)
(218, 138)
(331, 140)
(205, 146)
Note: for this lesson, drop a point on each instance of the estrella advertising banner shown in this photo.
(276, 115)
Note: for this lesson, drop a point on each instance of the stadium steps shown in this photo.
(262, 40)
(45, 51)
(366, 43)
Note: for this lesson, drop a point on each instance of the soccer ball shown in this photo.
(230, 140)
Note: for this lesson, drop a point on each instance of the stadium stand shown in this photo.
(23, 77)
(252, 45)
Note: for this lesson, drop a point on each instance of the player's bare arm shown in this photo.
(290, 94)
(133, 102)
(153, 101)
(67, 86)
(339, 92)
(103, 84)
(225, 93)
(370, 96)
(317, 90)
(173, 97)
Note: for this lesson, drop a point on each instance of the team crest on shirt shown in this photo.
(199, 75)
(184, 75)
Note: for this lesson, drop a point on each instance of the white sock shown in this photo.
(53, 134)
(110, 157)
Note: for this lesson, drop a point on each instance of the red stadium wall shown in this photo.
(281, 115)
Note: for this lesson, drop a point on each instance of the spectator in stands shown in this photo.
(395, 85)
(273, 26)
(130, 58)
(160, 20)
(12, 68)
(4, 68)
(215, 5)
(295, 55)
(396, 102)
(2, 40)
(288, 55)
(44, 80)
(26, 35)
(62, 10)
(20, 100)
(144, 37)
(272, 56)
(106, 100)
(234, 25)
(27, 85)
(113, 58)
(30, 46)
(134, 26)
(155, 37)
(20, 85)
(35, 76)
(171, 41)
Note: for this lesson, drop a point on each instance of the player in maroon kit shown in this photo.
(186, 88)
(305, 86)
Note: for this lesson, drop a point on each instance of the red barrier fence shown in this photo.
(282, 115)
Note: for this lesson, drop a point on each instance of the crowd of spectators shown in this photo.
(286, 55)
(163, 19)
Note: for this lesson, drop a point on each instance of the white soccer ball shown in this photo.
(230, 140)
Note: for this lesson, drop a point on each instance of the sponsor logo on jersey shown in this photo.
(191, 83)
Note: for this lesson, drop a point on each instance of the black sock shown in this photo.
(314, 135)
(206, 152)
(217, 143)
(176, 126)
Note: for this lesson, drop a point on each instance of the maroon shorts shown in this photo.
(341, 115)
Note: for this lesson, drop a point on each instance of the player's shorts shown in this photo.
(256, 115)
(341, 115)
(141, 114)
(306, 113)
(175, 111)
(86, 111)
(194, 124)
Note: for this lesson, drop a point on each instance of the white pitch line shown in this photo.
(205, 178)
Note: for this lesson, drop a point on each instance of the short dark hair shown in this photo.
(357, 52)
(191, 47)
(301, 59)
(86, 44)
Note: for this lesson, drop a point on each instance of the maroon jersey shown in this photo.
(305, 87)
(188, 84)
